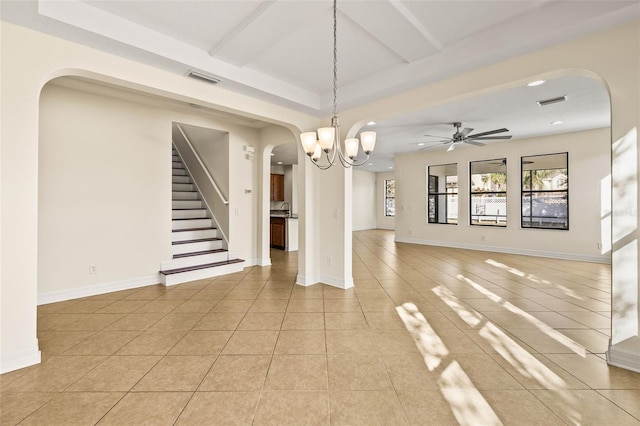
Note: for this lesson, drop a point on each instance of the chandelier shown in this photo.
(328, 138)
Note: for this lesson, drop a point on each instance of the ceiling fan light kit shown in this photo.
(329, 140)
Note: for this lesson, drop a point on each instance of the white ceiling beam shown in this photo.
(415, 22)
(241, 26)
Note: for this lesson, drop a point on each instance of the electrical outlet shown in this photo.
(329, 261)
(599, 245)
(484, 238)
(93, 269)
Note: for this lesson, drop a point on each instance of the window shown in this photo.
(545, 191)
(389, 197)
(488, 183)
(442, 204)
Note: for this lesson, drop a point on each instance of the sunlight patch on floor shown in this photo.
(429, 343)
(540, 325)
(467, 403)
(521, 360)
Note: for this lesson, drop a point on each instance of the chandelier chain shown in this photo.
(335, 59)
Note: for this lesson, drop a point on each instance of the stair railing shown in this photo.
(219, 215)
(206, 170)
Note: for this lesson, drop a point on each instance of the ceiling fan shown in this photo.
(463, 136)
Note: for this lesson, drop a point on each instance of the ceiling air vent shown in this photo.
(203, 77)
(552, 101)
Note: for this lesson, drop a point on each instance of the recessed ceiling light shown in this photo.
(272, 154)
(421, 144)
(279, 162)
(371, 123)
(557, 122)
(536, 83)
(371, 164)
(391, 167)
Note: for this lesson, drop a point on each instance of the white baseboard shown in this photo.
(337, 281)
(263, 261)
(625, 354)
(363, 228)
(10, 361)
(94, 290)
(306, 281)
(509, 250)
(386, 228)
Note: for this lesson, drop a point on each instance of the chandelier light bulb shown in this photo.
(368, 141)
(317, 152)
(351, 146)
(326, 136)
(308, 140)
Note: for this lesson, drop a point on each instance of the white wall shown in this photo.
(589, 166)
(382, 221)
(364, 200)
(105, 192)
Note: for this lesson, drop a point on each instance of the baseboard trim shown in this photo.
(386, 228)
(625, 354)
(94, 290)
(263, 261)
(19, 359)
(509, 250)
(337, 281)
(363, 228)
(306, 281)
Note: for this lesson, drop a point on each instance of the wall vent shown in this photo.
(203, 77)
(552, 101)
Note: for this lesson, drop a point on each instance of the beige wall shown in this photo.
(104, 192)
(589, 166)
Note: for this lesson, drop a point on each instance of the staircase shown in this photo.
(199, 251)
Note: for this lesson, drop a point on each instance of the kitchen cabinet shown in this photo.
(277, 187)
(278, 232)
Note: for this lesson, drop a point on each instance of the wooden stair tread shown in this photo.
(198, 267)
(193, 229)
(200, 240)
(198, 253)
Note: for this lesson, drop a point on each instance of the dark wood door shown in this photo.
(278, 232)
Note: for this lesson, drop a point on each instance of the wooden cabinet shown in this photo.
(278, 232)
(277, 187)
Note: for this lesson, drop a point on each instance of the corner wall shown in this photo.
(364, 200)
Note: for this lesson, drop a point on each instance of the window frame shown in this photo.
(498, 224)
(435, 195)
(531, 191)
(386, 197)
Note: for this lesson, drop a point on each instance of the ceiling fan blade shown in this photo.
(490, 132)
(489, 138)
(451, 146)
(439, 137)
(471, 142)
(466, 131)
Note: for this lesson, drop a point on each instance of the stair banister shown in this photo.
(206, 170)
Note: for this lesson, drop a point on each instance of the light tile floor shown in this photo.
(428, 336)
